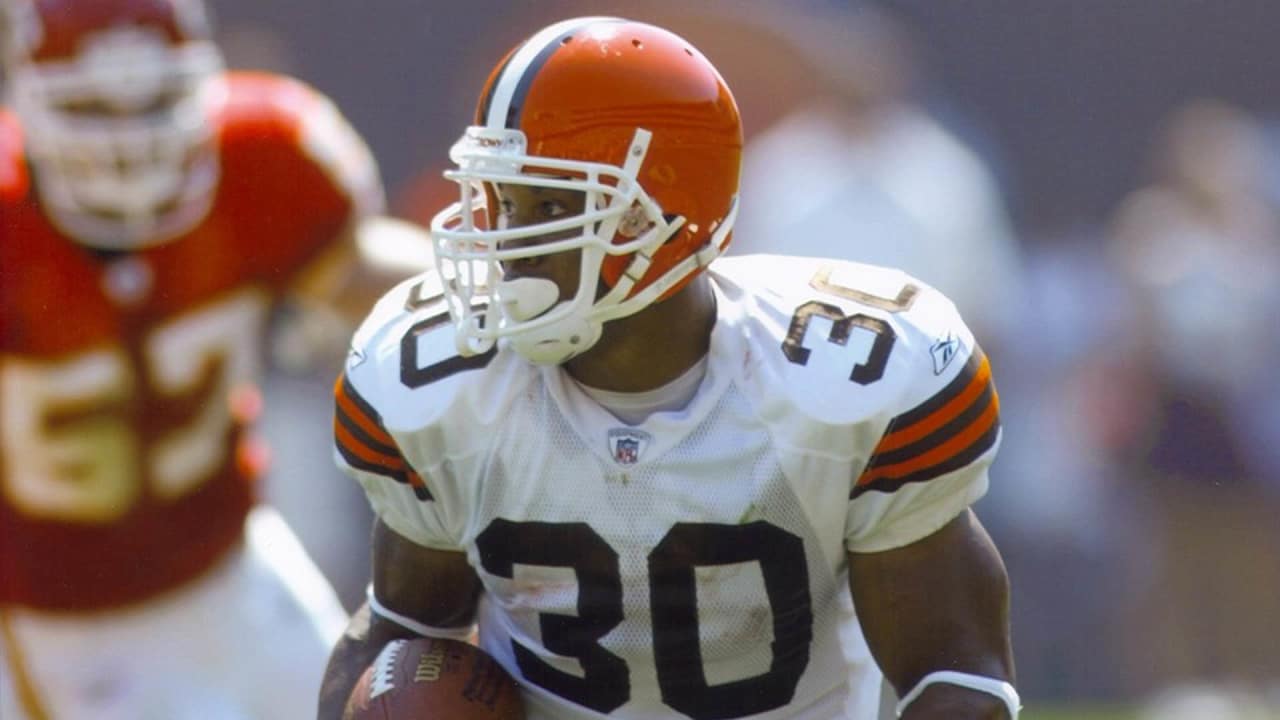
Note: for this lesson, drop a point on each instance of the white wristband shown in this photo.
(408, 623)
(988, 685)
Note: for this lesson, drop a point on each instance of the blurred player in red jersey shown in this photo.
(154, 210)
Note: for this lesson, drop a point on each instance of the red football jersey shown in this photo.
(124, 377)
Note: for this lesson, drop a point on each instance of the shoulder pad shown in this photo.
(261, 106)
(404, 362)
(849, 342)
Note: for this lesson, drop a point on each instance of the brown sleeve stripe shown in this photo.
(362, 414)
(962, 422)
(939, 449)
(365, 444)
(976, 413)
(890, 484)
(360, 457)
(940, 409)
(393, 467)
(356, 427)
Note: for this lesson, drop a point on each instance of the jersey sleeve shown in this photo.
(880, 392)
(399, 495)
(410, 416)
(932, 458)
(370, 449)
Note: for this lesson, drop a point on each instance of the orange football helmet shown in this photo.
(640, 122)
(114, 100)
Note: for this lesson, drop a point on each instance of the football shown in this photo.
(434, 679)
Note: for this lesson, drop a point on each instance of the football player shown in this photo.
(153, 211)
(661, 484)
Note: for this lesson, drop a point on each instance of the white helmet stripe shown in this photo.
(506, 96)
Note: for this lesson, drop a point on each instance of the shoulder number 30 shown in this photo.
(872, 369)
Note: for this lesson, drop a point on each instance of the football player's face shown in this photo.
(526, 205)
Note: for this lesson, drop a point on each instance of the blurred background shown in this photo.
(1094, 183)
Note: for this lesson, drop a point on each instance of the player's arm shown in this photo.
(354, 252)
(938, 604)
(337, 288)
(373, 253)
(436, 590)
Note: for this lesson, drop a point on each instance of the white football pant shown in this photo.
(247, 641)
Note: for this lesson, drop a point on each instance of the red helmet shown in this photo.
(114, 98)
(639, 121)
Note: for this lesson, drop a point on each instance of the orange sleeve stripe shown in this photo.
(939, 454)
(364, 443)
(349, 443)
(980, 447)
(361, 458)
(369, 432)
(898, 437)
(356, 411)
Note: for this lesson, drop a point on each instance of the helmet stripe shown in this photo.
(482, 113)
(502, 105)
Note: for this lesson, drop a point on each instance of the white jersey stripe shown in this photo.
(527, 59)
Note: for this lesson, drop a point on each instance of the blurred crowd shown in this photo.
(1138, 486)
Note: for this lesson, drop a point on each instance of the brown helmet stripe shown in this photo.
(504, 98)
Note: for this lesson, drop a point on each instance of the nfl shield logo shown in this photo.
(626, 445)
(627, 451)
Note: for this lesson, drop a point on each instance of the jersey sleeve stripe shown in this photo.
(945, 433)
(378, 442)
(364, 458)
(954, 426)
(364, 443)
(396, 469)
(350, 404)
(889, 484)
(358, 443)
(940, 409)
(941, 450)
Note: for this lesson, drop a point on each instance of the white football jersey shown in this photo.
(693, 565)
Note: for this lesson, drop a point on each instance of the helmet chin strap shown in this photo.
(524, 299)
(559, 342)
